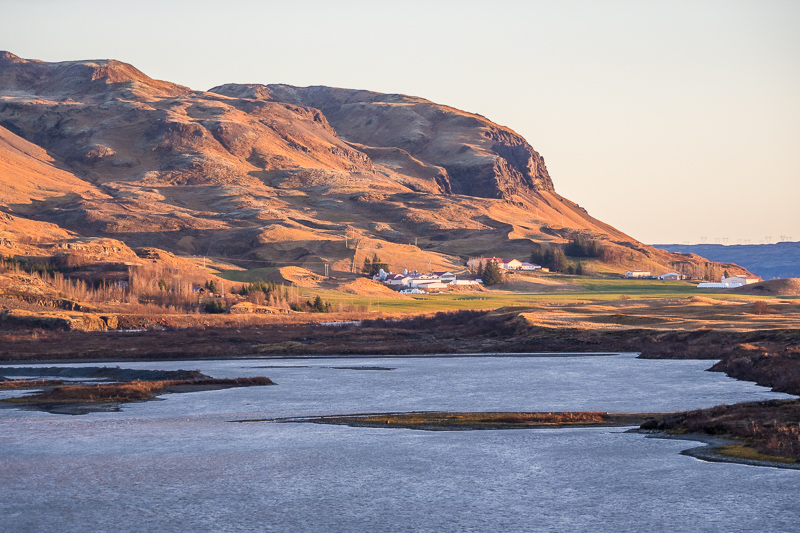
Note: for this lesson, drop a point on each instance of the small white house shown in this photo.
(411, 291)
(672, 276)
(513, 264)
(529, 266)
(430, 285)
(637, 274)
(475, 262)
(445, 277)
(740, 280)
(419, 281)
(462, 282)
(397, 279)
(729, 283)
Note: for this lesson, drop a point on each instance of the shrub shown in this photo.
(215, 307)
(762, 308)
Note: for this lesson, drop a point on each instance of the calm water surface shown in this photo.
(181, 465)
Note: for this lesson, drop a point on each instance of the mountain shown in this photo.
(780, 260)
(273, 174)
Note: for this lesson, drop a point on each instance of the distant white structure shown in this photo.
(411, 291)
(729, 283)
(466, 282)
(672, 276)
(397, 279)
(637, 274)
(475, 262)
(529, 266)
(428, 284)
(445, 277)
(512, 264)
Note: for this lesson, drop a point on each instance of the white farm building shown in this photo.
(729, 283)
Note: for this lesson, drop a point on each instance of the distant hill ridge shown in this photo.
(780, 260)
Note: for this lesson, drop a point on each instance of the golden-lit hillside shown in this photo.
(273, 175)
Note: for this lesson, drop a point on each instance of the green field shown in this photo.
(600, 288)
(248, 276)
(593, 289)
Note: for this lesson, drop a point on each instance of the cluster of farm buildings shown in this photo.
(505, 264)
(725, 283)
(415, 282)
(645, 274)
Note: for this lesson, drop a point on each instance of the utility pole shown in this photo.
(355, 253)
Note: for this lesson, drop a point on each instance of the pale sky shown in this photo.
(673, 121)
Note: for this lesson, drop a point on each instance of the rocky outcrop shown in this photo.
(474, 156)
(18, 319)
(74, 79)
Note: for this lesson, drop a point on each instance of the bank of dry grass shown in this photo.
(771, 428)
(133, 391)
(479, 420)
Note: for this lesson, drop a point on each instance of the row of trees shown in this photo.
(153, 288)
(581, 247)
(555, 258)
(372, 267)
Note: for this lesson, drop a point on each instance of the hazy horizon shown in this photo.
(675, 122)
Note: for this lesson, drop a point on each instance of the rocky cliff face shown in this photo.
(473, 156)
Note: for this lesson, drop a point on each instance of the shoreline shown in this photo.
(470, 421)
(451, 355)
(709, 450)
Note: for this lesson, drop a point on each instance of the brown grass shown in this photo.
(770, 428)
(481, 420)
(29, 383)
(133, 391)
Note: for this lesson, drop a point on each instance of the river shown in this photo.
(181, 464)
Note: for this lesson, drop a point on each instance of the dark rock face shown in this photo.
(475, 156)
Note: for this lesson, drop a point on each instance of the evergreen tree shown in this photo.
(558, 261)
(375, 265)
(492, 274)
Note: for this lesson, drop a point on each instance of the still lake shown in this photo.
(181, 465)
